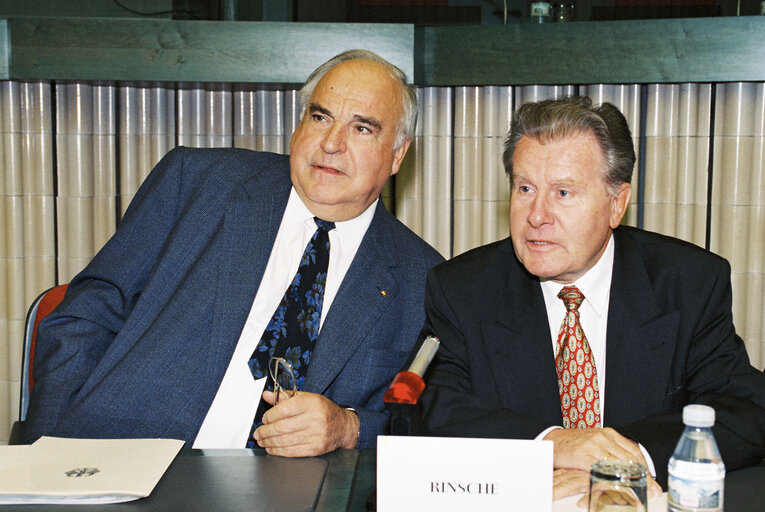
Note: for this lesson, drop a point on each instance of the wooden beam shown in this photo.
(207, 51)
(724, 49)
(638, 51)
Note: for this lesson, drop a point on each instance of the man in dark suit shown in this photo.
(157, 335)
(653, 333)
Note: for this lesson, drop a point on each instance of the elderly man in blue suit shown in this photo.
(156, 337)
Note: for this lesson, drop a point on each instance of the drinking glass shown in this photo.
(617, 486)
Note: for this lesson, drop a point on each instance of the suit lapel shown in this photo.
(518, 344)
(358, 303)
(640, 338)
(250, 225)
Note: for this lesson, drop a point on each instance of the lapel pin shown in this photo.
(382, 292)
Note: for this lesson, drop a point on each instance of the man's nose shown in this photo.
(334, 139)
(539, 211)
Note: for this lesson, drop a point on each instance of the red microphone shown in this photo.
(407, 385)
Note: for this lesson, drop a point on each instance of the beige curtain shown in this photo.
(738, 204)
(73, 155)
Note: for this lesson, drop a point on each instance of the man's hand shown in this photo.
(623, 497)
(581, 448)
(576, 450)
(568, 482)
(306, 425)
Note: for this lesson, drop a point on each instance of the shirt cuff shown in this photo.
(648, 460)
(545, 432)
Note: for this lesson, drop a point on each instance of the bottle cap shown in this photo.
(698, 415)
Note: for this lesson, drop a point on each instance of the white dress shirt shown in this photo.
(229, 419)
(595, 285)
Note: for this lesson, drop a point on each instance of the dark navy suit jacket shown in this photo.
(670, 342)
(145, 334)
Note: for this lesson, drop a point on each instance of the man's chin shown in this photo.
(544, 272)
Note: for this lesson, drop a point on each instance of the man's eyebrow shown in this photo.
(567, 182)
(368, 120)
(315, 107)
(374, 123)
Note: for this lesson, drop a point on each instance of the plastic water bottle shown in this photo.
(696, 470)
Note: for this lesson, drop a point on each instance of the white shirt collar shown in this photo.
(354, 228)
(595, 284)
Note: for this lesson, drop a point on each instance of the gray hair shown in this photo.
(408, 121)
(552, 120)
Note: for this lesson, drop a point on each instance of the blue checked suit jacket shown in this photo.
(143, 338)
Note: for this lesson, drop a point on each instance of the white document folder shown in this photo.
(56, 470)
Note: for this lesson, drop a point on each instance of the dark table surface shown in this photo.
(238, 480)
(212, 480)
(744, 488)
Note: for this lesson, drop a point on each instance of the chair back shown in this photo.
(43, 305)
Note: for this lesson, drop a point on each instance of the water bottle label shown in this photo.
(696, 485)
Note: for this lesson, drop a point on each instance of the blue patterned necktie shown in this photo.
(292, 331)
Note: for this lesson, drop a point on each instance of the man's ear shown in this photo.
(619, 205)
(297, 129)
(398, 156)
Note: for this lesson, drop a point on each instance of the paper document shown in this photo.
(56, 470)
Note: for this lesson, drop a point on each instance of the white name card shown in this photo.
(459, 474)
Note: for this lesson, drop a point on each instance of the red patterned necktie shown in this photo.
(577, 378)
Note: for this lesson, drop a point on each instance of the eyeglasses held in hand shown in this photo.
(283, 377)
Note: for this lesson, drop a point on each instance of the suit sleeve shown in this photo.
(713, 368)
(372, 423)
(373, 323)
(74, 337)
(460, 399)
(405, 322)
